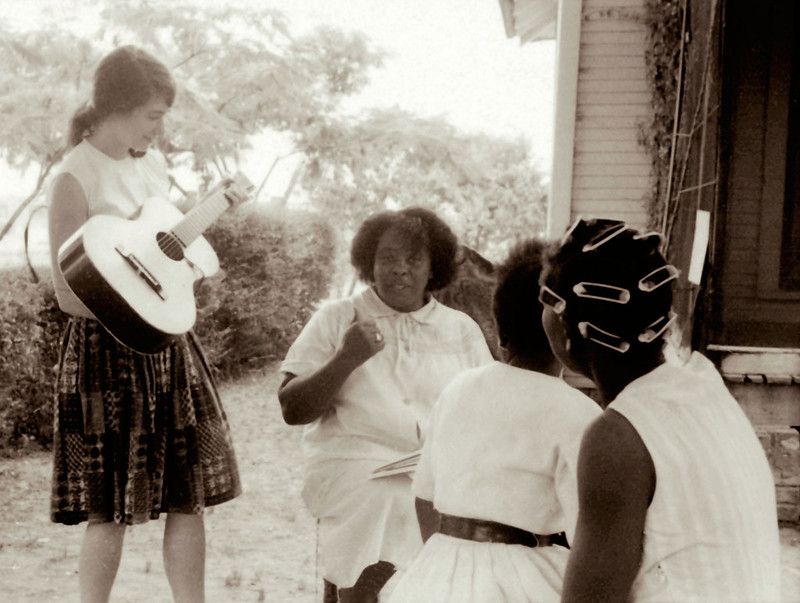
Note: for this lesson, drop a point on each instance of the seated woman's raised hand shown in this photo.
(362, 340)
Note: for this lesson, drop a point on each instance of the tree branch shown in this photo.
(43, 173)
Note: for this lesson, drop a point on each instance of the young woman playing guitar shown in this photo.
(136, 435)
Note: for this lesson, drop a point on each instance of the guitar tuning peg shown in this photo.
(242, 180)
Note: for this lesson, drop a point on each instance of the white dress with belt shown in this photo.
(502, 446)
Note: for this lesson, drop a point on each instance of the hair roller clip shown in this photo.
(657, 328)
(604, 338)
(581, 225)
(548, 297)
(609, 293)
(579, 221)
(605, 236)
(652, 237)
(658, 277)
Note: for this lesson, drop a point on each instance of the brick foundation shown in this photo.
(782, 445)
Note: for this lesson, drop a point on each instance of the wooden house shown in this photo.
(683, 116)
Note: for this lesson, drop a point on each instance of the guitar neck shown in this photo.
(201, 216)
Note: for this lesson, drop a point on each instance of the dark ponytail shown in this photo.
(81, 123)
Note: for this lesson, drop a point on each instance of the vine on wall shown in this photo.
(662, 19)
(662, 59)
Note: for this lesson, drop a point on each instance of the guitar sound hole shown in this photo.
(170, 245)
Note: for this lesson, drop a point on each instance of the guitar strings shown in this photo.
(204, 215)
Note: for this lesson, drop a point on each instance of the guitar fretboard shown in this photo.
(200, 217)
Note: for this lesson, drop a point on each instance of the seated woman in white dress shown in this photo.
(499, 465)
(362, 377)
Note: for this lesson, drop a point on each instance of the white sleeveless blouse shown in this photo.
(115, 187)
(711, 532)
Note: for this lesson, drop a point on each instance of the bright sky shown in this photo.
(448, 58)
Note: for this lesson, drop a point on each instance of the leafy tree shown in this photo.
(37, 97)
(239, 72)
(242, 72)
(486, 187)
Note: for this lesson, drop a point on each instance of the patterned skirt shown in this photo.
(136, 435)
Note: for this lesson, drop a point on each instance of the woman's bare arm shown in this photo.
(428, 518)
(304, 399)
(69, 209)
(616, 482)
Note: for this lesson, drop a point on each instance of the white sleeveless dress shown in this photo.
(711, 532)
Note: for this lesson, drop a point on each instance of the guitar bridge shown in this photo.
(142, 271)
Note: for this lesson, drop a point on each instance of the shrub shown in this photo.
(30, 332)
(277, 265)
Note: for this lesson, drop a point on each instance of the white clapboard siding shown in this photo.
(596, 154)
(601, 6)
(612, 171)
(607, 75)
(609, 132)
(617, 194)
(619, 127)
(627, 169)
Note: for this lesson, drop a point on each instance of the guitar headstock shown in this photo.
(237, 189)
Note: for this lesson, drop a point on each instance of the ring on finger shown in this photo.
(378, 337)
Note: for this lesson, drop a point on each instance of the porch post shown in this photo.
(568, 40)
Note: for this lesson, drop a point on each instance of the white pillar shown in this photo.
(568, 42)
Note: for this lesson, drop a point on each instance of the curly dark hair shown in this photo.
(517, 309)
(424, 229)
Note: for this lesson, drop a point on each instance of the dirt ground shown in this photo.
(261, 546)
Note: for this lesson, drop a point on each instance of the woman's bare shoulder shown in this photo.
(614, 461)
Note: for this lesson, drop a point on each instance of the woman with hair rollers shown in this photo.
(676, 498)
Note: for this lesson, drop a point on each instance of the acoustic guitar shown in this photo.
(137, 275)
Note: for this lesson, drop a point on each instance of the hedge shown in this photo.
(277, 266)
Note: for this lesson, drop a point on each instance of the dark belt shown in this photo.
(481, 530)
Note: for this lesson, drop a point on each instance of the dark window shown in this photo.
(790, 241)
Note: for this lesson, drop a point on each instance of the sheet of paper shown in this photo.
(406, 464)
(702, 227)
